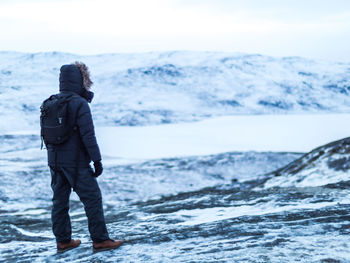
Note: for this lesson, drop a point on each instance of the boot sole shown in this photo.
(60, 251)
(95, 250)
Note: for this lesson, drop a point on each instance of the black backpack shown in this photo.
(55, 127)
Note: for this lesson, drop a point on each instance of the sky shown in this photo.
(318, 29)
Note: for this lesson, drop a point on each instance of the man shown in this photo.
(69, 164)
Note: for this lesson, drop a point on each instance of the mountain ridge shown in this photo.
(167, 87)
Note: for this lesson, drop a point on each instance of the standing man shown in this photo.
(69, 159)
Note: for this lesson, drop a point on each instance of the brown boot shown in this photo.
(106, 245)
(63, 247)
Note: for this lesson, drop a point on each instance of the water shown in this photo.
(217, 208)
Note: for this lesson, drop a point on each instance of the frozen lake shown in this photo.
(278, 133)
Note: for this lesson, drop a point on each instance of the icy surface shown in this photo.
(278, 133)
(141, 201)
(171, 209)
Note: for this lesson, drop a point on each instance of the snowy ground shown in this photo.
(190, 208)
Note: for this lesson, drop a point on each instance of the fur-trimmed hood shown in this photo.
(84, 70)
(76, 78)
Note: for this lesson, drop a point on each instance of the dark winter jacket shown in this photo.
(82, 146)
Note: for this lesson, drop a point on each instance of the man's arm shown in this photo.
(87, 132)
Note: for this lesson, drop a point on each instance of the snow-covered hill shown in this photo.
(166, 87)
(325, 165)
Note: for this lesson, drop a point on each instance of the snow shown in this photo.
(172, 87)
(318, 175)
(187, 105)
(209, 215)
(280, 133)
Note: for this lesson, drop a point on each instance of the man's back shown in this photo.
(70, 165)
(81, 148)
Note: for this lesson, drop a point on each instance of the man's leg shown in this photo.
(87, 188)
(61, 225)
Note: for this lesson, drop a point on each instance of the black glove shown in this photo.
(98, 168)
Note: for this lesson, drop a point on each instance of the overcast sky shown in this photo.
(308, 28)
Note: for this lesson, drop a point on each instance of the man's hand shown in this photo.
(98, 168)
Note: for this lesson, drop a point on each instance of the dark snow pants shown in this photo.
(87, 189)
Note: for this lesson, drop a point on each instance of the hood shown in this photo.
(71, 79)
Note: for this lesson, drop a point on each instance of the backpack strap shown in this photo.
(42, 142)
